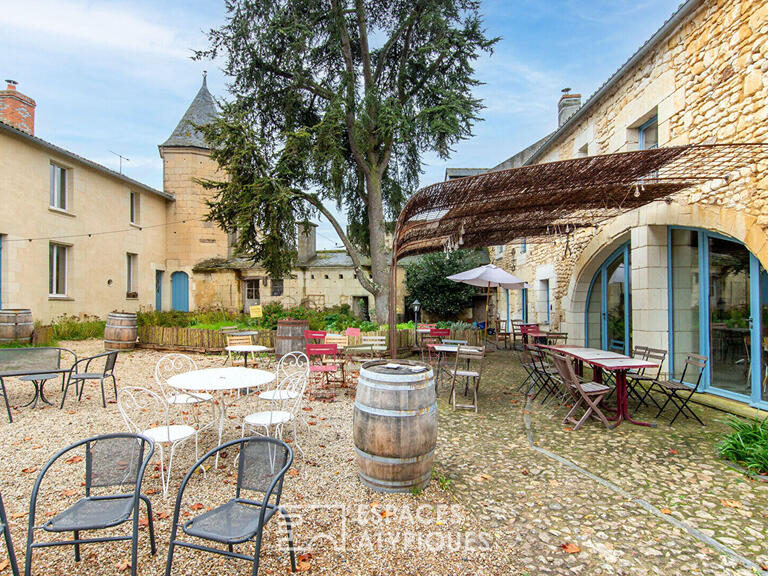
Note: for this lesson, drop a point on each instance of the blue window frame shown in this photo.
(523, 247)
(648, 134)
(614, 325)
(758, 297)
(546, 296)
(1, 271)
(524, 296)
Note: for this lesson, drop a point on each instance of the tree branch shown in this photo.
(364, 280)
(365, 53)
(313, 87)
(349, 117)
(391, 42)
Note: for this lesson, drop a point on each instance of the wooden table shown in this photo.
(613, 362)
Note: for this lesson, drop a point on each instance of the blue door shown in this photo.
(180, 291)
(158, 289)
(608, 309)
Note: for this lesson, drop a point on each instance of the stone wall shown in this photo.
(706, 82)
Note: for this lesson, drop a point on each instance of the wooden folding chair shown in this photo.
(502, 333)
(468, 365)
(586, 395)
(679, 392)
(233, 340)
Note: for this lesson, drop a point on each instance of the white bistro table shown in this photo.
(246, 349)
(220, 380)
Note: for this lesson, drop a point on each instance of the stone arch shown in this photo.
(724, 220)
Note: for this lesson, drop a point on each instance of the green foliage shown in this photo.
(747, 444)
(77, 327)
(336, 103)
(426, 280)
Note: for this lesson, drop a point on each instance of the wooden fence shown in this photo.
(202, 340)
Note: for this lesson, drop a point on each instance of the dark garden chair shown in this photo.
(8, 544)
(261, 467)
(114, 469)
(639, 383)
(81, 372)
(587, 395)
(679, 392)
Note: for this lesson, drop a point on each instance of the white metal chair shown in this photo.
(171, 365)
(290, 364)
(146, 413)
(285, 411)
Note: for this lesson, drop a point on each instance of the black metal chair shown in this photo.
(679, 392)
(111, 461)
(639, 383)
(261, 467)
(107, 371)
(8, 543)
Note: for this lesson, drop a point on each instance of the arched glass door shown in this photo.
(608, 309)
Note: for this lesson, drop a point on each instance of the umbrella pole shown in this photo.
(487, 297)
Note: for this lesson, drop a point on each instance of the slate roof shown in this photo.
(44, 144)
(202, 111)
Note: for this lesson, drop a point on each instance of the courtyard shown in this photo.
(513, 490)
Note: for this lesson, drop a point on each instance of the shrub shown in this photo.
(747, 444)
(77, 327)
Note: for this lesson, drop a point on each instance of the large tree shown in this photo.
(333, 103)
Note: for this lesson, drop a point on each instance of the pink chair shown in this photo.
(314, 336)
(327, 361)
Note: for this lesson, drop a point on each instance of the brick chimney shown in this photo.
(567, 106)
(17, 109)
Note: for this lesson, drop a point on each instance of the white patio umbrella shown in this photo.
(489, 276)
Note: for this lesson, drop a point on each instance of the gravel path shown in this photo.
(342, 527)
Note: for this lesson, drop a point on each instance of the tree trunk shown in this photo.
(380, 255)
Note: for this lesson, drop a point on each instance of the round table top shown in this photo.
(244, 333)
(246, 348)
(217, 379)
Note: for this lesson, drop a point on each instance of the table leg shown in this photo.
(42, 393)
(33, 402)
(222, 417)
(622, 402)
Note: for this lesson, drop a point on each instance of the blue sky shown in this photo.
(118, 75)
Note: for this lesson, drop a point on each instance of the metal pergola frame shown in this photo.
(554, 198)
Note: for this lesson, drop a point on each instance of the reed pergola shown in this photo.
(554, 198)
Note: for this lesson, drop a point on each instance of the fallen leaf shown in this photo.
(74, 459)
(4, 564)
(386, 513)
(197, 506)
(673, 451)
(665, 511)
(302, 562)
(29, 470)
(293, 472)
(570, 548)
(69, 493)
(123, 566)
(730, 503)
(486, 476)
(18, 515)
(143, 521)
(162, 515)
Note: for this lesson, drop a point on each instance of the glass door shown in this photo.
(608, 307)
(730, 318)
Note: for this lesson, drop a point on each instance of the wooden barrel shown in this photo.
(121, 331)
(395, 425)
(290, 336)
(16, 325)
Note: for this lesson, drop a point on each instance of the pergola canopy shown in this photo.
(557, 197)
(554, 198)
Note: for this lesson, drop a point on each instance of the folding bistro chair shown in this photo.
(328, 361)
(261, 468)
(639, 383)
(679, 392)
(502, 333)
(314, 336)
(80, 374)
(532, 378)
(468, 365)
(114, 467)
(545, 372)
(236, 340)
(587, 395)
(7, 535)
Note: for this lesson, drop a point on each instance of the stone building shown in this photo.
(687, 275)
(78, 238)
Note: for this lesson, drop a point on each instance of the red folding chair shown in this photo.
(314, 336)
(440, 333)
(324, 361)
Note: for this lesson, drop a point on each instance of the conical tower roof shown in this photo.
(202, 111)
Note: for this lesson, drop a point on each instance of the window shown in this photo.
(499, 251)
(57, 270)
(131, 285)
(545, 294)
(277, 287)
(134, 200)
(523, 246)
(58, 187)
(648, 135)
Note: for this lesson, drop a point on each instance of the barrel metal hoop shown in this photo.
(391, 460)
(394, 484)
(378, 385)
(395, 413)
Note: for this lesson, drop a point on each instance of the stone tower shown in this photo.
(186, 158)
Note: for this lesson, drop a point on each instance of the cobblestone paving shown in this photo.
(536, 505)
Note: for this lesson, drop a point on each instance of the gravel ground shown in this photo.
(340, 526)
